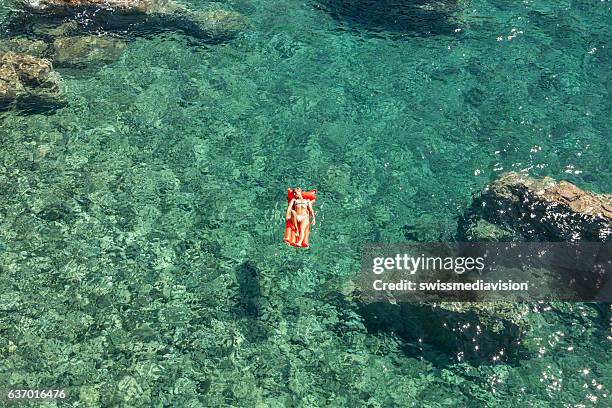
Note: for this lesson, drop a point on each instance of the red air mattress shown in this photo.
(290, 232)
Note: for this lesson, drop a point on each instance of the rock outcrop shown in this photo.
(544, 209)
(86, 50)
(26, 80)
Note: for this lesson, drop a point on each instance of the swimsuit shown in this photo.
(300, 217)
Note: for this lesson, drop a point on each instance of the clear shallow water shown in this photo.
(141, 224)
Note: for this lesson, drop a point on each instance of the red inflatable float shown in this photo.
(291, 233)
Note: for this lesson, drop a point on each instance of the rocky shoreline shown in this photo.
(27, 74)
(513, 207)
(538, 210)
(215, 25)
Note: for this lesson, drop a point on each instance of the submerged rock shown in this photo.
(66, 29)
(393, 17)
(544, 209)
(83, 50)
(475, 332)
(484, 231)
(35, 48)
(216, 25)
(25, 79)
(493, 316)
(60, 5)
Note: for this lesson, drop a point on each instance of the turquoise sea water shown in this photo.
(141, 255)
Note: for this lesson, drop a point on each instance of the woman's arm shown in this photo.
(314, 221)
(289, 207)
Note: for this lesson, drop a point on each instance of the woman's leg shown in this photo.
(303, 224)
(295, 222)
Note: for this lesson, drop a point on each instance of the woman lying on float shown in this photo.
(299, 211)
